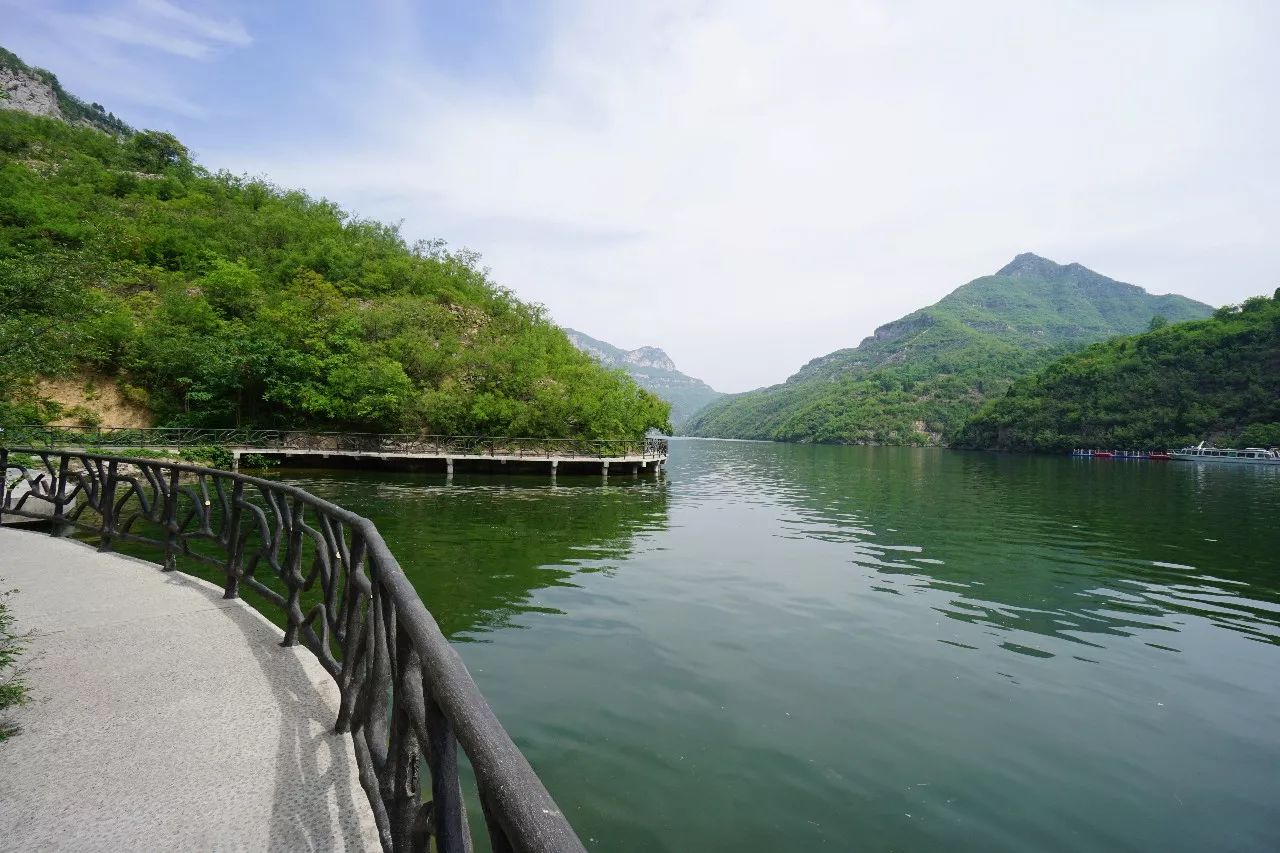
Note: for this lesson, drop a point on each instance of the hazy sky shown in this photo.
(746, 184)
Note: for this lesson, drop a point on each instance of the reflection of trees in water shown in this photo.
(1064, 548)
(478, 550)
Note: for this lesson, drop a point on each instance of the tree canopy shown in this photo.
(1216, 379)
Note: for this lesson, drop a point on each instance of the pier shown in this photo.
(447, 454)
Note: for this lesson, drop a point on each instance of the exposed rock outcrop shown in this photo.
(28, 89)
(30, 94)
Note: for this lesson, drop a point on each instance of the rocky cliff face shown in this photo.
(27, 93)
(650, 357)
(653, 370)
(36, 91)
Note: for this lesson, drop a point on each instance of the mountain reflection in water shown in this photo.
(477, 549)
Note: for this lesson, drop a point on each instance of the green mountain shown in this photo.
(129, 272)
(917, 380)
(1216, 379)
(653, 370)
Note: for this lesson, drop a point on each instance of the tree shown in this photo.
(155, 151)
(1157, 322)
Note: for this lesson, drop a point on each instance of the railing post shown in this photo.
(171, 522)
(4, 479)
(289, 572)
(59, 503)
(446, 798)
(411, 820)
(107, 531)
(498, 841)
(232, 533)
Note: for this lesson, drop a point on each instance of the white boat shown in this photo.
(1248, 456)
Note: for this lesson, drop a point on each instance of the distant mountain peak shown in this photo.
(916, 378)
(1031, 265)
(651, 357)
(653, 370)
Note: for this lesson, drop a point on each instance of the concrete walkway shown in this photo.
(165, 718)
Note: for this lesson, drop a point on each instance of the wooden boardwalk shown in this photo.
(446, 454)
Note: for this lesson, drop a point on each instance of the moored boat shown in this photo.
(1248, 456)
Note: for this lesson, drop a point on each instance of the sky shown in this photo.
(748, 185)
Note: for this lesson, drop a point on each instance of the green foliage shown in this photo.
(84, 416)
(256, 461)
(1261, 435)
(210, 456)
(1216, 379)
(1159, 321)
(225, 301)
(13, 690)
(157, 152)
(919, 379)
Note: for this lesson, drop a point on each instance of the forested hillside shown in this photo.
(918, 379)
(212, 299)
(1216, 379)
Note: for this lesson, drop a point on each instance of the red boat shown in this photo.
(1159, 456)
(1102, 454)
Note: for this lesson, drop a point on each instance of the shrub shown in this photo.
(135, 395)
(211, 456)
(13, 689)
(84, 416)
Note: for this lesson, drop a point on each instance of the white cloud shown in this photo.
(156, 24)
(229, 31)
(753, 184)
(116, 46)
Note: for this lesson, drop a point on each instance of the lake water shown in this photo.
(785, 647)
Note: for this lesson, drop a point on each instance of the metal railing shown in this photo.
(405, 693)
(337, 442)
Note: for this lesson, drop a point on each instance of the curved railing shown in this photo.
(405, 693)
(337, 442)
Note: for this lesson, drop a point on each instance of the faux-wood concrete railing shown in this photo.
(405, 693)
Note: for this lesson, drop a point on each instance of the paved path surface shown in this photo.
(165, 718)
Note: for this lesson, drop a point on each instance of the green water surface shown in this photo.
(786, 647)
